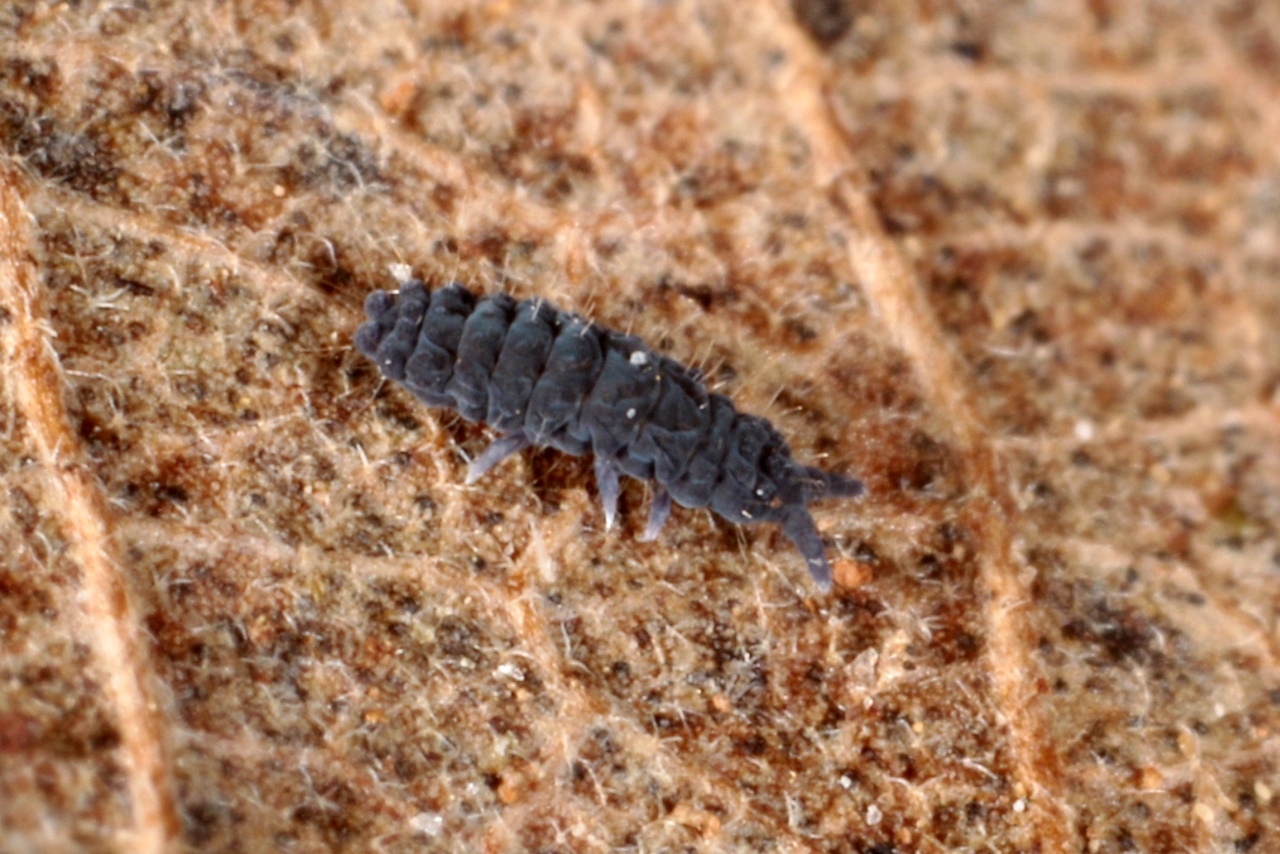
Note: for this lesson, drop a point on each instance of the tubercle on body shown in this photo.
(545, 377)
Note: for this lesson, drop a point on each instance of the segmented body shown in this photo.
(542, 376)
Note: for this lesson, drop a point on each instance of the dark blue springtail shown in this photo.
(542, 376)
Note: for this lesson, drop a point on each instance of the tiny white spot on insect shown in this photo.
(639, 357)
(760, 493)
(631, 413)
(746, 515)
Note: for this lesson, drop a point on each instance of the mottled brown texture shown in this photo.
(1019, 269)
